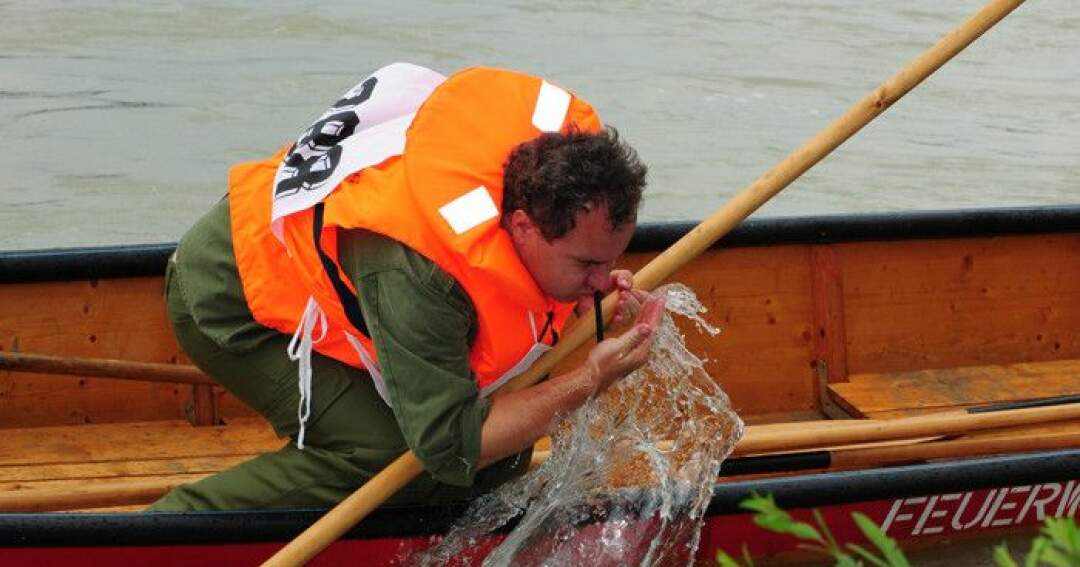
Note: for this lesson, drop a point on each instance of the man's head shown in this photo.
(570, 204)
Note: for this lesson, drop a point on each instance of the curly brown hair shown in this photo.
(555, 175)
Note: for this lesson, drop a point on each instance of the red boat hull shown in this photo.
(925, 503)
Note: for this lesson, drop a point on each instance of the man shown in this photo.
(422, 243)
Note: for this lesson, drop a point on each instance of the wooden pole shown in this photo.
(833, 434)
(951, 449)
(905, 451)
(102, 368)
(875, 430)
(378, 490)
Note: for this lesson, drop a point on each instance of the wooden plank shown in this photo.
(830, 340)
(964, 302)
(128, 441)
(907, 305)
(70, 495)
(783, 417)
(203, 409)
(760, 298)
(933, 390)
(13, 476)
(117, 319)
(120, 319)
(31, 400)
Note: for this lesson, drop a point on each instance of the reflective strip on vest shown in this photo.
(469, 210)
(551, 106)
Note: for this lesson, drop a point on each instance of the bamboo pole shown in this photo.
(900, 452)
(103, 368)
(950, 449)
(378, 490)
(827, 434)
(872, 430)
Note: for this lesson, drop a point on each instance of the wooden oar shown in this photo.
(873, 430)
(405, 468)
(951, 449)
(890, 454)
(103, 368)
(782, 438)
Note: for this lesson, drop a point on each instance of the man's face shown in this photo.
(576, 264)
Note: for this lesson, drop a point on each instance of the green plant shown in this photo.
(1057, 545)
(820, 539)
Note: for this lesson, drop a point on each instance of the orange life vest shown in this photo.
(426, 171)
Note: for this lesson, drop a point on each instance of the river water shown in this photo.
(119, 119)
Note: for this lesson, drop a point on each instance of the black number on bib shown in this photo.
(310, 174)
(320, 143)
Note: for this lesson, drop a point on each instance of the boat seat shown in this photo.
(902, 394)
(119, 466)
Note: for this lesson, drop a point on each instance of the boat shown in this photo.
(827, 321)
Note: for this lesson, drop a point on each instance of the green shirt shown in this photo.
(421, 322)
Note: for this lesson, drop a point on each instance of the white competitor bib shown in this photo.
(381, 108)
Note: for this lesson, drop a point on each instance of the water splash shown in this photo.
(630, 473)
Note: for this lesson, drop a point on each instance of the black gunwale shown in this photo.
(800, 491)
(100, 262)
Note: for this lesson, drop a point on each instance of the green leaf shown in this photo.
(862, 552)
(1003, 558)
(1038, 546)
(1056, 558)
(845, 560)
(1064, 533)
(773, 518)
(805, 531)
(884, 543)
(829, 539)
(759, 503)
(725, 560)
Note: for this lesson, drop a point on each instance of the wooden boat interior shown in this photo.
(823, 318)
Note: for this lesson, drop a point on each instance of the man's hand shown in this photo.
(630, 299)
(616, 357)
(518, 418)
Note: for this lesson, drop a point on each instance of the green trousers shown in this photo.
(350, 436)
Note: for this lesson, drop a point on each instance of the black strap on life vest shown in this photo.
(348, 299)
(351, 303)
(597, 302)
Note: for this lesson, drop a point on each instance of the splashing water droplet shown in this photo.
(630, 474)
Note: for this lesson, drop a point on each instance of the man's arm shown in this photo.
(518, 419)
(421, 323)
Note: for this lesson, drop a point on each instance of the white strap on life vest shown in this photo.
(300, 350)
(538, 349)
(371, 365)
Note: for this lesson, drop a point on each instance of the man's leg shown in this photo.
(350, 436)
